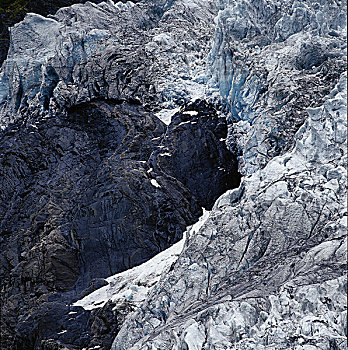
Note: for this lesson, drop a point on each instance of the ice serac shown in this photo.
(12, 12)
(152, 52)
(92, 181)
(271, 60)
(120, 121)
(268, 268)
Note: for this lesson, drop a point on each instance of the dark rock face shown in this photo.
(194, 139)
(92, 192)
(55, 326)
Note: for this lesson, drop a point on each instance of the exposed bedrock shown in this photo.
(198, 127)
(94, 192)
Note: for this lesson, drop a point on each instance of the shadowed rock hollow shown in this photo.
(98, 191)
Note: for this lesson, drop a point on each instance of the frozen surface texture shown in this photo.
(268, 268)
(152, 52)
(120, 121)
(261, 271)
(271, 60)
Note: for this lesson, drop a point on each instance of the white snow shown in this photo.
(155, 183)
(194, 337)
(165, 115)
(134, 285)
(184, 123)
(123, 6)
(197, 226)
(191, 112)
(164, 39)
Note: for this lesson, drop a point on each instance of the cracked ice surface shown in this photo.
(91, 51)
(270, 61)
(267, 270)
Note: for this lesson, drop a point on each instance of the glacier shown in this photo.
(265, 267)
(265, 278)
(69, 63)
(282, 234)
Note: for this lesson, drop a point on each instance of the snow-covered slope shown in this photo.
(131, 287)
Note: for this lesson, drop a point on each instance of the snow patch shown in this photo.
(165, 115)
(132, 286)
(191, 112)
(124, 6)
(155, 183)
(197, 226)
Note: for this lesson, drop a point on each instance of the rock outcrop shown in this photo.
(120, 122)
(89, 194)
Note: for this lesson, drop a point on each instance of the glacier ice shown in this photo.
(267, 269)
(77, 59)
(267, 272)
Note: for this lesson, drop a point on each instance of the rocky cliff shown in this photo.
(120, 122)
